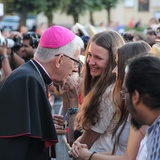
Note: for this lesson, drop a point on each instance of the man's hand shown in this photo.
(3, 49)
(58, 121)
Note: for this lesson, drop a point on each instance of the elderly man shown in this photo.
(27, 131)
(142, 94)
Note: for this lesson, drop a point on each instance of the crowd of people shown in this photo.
(107, 86)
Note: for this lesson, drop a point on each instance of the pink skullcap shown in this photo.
(55, 37)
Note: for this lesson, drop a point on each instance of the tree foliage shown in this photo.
(75, 8)
(108, 5)
(94, 5)
(23, 7)
(51, 7)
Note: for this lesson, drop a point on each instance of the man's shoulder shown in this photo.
(153, 140)
(26, 70)
(20, 75)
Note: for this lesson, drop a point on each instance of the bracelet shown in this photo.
(91, 155)
(3, 56)
(72, 110)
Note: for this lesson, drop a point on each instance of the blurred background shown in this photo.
(120, 15)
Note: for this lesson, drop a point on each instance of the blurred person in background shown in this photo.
(85, 40)
(9, 53)
(29, 45)
(150, 36)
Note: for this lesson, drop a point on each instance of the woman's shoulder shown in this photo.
(108, 92)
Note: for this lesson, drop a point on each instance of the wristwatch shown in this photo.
(3, 56)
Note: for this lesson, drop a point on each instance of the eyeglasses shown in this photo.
(122, 93)
(77, 63)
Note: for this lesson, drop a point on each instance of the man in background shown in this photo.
(29, 45)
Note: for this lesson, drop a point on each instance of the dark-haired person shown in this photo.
(29, 45)
(142, 90)
(27, 130)
(9, 56)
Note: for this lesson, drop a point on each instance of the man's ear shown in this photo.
(58, 60)
(135, 97)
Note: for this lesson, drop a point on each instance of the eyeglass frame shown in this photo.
(122, 93)
(77, 62)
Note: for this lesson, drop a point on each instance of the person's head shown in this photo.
(58, 51)
(85, 41)
(101, 52)
(129, 50)
(100, 61)
(150, 36)
(100, 56)
(126, 52)
(142, 89)
(29, 45)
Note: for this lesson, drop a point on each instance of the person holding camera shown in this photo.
(29, 45)
(9, 53)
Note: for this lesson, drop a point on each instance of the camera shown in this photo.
(9, 42)
(34, 39)
(17, 43)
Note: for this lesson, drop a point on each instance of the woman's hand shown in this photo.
(78, 150)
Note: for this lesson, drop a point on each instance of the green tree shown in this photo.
(75, 8)
(108, 5)
(23, 7)
(51, 7)
(94, 5)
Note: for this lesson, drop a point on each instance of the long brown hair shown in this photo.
(93, 89)
(125, 52)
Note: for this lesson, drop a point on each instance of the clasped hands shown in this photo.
(79, 151)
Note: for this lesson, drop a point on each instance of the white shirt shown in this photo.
(142, 153)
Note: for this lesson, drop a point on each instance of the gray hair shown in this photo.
(46, 54)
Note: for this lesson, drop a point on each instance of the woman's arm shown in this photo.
(88, 138)
(134, 140)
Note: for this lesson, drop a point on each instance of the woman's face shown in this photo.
(97, 59)
(115, 70)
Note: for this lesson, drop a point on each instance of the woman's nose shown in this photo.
(91, 61)
(115, 71)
